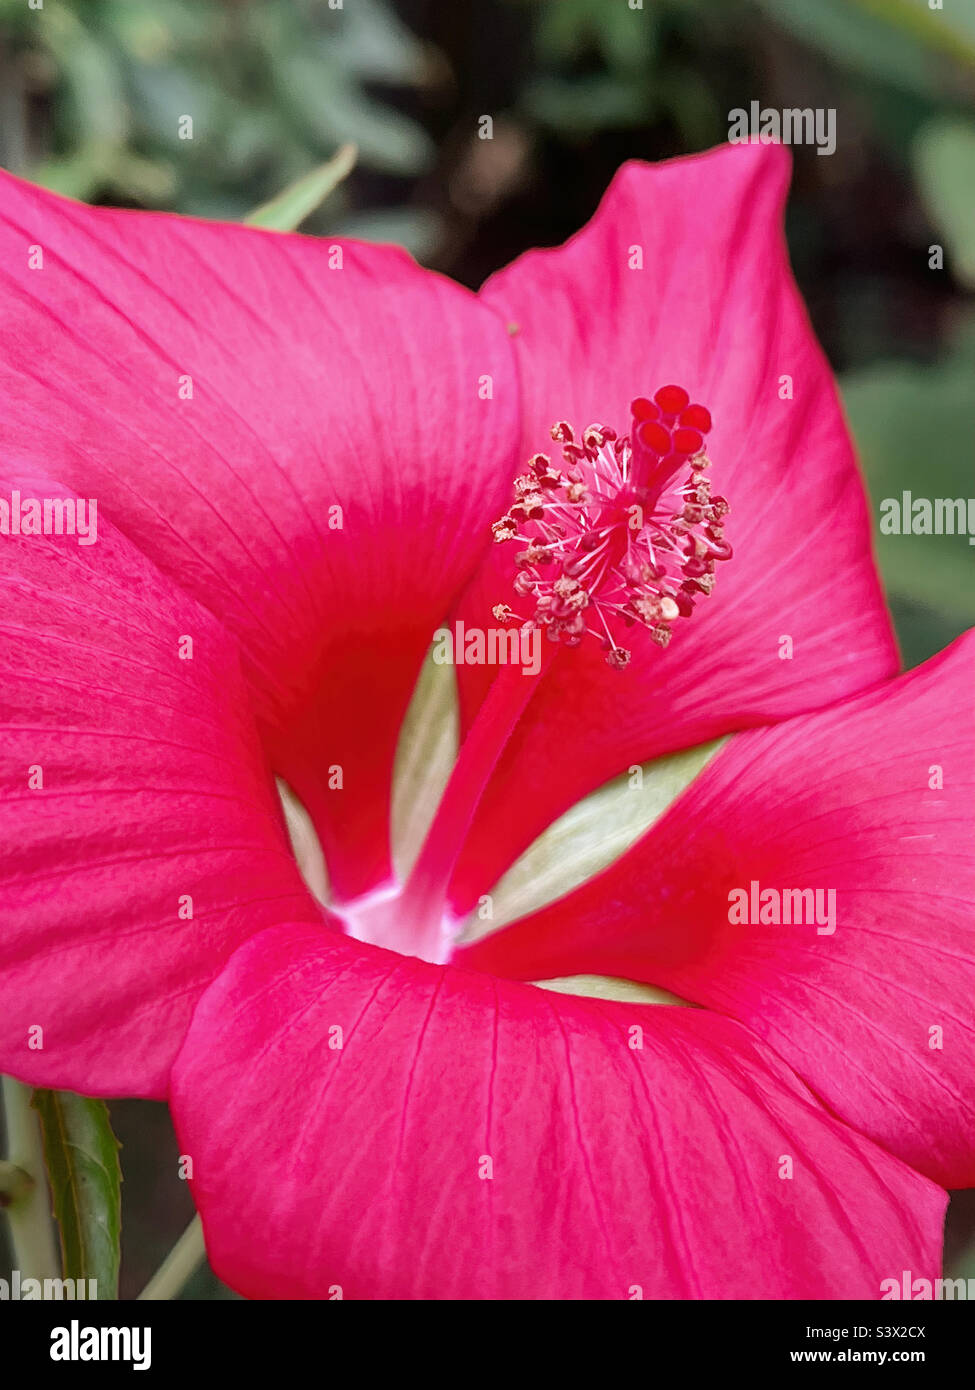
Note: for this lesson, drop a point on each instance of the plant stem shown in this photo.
(179, 1266)
(29, 1213)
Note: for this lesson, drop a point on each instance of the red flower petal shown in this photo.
(156, 802)
(713, 307)
(323, 375)
(402, 1130)
(877, 1016)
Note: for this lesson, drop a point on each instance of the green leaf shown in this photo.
(329, 103)
(305, 845)
(376, 45)
(425, 756)
(596, 101)
(289, 208)
(858, 38)
(580, 844)
(591, 836)
(417, 230)
(95, 104)
(81, 1156)
(611, 987)
(944, 162)
(949, 30)
(913, 426)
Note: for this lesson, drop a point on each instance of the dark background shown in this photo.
(91, 92)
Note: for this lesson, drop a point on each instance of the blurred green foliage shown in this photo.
(893, 41)
(272, 89)
(944, 163)
(915, 427)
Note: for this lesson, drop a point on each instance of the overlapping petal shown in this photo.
(322, 375)
(140, 834)
(296, 449)
(400, 1130)
(714, 308)
(871, 801)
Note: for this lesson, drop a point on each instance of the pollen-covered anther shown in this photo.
(653, 610)
(627, 533)
(596, 437)
(535, 555)
(569, 595)
(545, 475)
(506, 529)
(529, 503)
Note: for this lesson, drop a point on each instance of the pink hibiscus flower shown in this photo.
(297, 451)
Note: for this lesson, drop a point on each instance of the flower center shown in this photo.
(626, 531)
